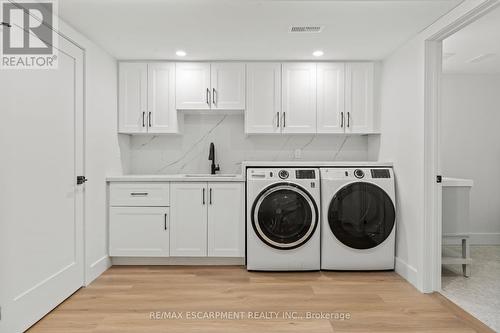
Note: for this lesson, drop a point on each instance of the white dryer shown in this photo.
(358, 228)
(283, 228)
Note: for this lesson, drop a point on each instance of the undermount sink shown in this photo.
(202, 175)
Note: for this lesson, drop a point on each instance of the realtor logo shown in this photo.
(28, 37)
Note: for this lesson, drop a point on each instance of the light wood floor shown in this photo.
(122, 299)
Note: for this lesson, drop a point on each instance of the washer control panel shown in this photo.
(358, 173)
(283, 174)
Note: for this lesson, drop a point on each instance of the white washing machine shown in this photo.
(358, 228)
(283, 219)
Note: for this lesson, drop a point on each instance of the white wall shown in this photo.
(403, 142)
(469, 147)
(103, 155)
(188, 153)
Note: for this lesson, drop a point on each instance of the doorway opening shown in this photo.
(463, 202)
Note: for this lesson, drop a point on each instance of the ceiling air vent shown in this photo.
(306, 28)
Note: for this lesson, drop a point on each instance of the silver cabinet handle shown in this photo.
(284, 119)
(149, 119)
(165, 222)
(210, 196)
(143, 115)
(208, 96)
(278, 119)
(342, 120)
(214, 96)
(348, 119)
(203, 197)
(139, 194)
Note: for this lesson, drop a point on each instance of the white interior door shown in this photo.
(132, 103)
(192, 87)
(330, 95)
(188, 222)
(228, 86)
(162, 114)
(299, 98)
(41, 207)
(263, 111)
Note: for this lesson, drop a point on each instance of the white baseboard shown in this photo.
(409, 273)
(477, 238)
(96, 269)
(183, 261)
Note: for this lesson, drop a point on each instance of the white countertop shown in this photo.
(457, 182)
(318, 164)
(241, 177)
(176, 178)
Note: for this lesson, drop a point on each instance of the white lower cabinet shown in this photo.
(139, 231)
(207, 219)
(226, 220)
(179, 219)
(188, 233)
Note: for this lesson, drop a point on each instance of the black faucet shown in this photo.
(211, 157)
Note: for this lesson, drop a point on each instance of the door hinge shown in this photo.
(81, 180)
(439, 179)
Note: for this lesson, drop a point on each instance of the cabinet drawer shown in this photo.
(139, 194)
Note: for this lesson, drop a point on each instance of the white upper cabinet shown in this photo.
(193, 91)
(147, 98)
(133, 86)
(228, 86)
(217, 86)
(162, 114)
(330, 95)
(359, 98)
(263, 111)
(299, 98)
(226, 220)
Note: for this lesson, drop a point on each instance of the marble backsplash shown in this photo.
(188, 153)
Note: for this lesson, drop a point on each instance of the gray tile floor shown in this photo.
(480, 293)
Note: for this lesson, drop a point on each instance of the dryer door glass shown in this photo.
(361, 215)
(284, 216)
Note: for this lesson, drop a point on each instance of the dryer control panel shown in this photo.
(357, 173)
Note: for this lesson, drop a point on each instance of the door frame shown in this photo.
(432, 236)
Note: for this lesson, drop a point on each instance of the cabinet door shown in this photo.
(162, 114)
(188, 227)
(359, 97)
(192, 89)
(228, 86)
(132, 105)
(263, 111)
(139, 231)
(299, 98)
(330, 95)
(226, 220)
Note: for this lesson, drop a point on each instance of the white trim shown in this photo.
(183, 261)
(96, 269)
(484, 238)
(406, 271)
(431, 242)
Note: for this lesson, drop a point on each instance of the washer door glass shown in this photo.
(361, 215)
(284, 216)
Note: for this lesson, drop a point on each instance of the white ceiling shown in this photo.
(476, 48)
(251, 29)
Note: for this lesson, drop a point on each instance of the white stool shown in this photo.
(451, 257)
